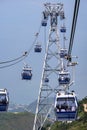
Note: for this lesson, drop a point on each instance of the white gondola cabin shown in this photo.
(66, 106)
(26, 73)
(63, 53)
(63, 29)
(4, 100)
(64, 78)
(46, 80)
(44, 22)
(37, 48)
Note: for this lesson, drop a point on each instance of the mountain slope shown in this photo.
(16, 121)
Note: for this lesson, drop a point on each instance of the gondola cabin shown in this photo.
(26, 73)
(64, 78)
(4, 100)
(62, 16)
(66, 106)
(37, 48)
(63, 29)
(63, 53)
(46, 80)
(44, 22)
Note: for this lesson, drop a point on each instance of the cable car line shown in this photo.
(4, 62)
(75, 15)
(36, 36)
(9, 65)
(14, 61)
(20, 58)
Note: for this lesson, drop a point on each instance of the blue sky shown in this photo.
(19, 21)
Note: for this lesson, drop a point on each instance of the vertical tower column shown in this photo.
(51, 68)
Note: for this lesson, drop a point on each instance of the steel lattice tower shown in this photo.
(51, 67)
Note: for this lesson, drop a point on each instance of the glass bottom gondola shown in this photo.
(26, 73)
(66, 106)
(66, 116)
(46, 80)
(26, 76)
(44, 23)
(3, 107)
(64, 81)
(37, 49)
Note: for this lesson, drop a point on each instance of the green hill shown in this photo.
(16, 121)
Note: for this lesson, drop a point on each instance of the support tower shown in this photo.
(53, 64)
